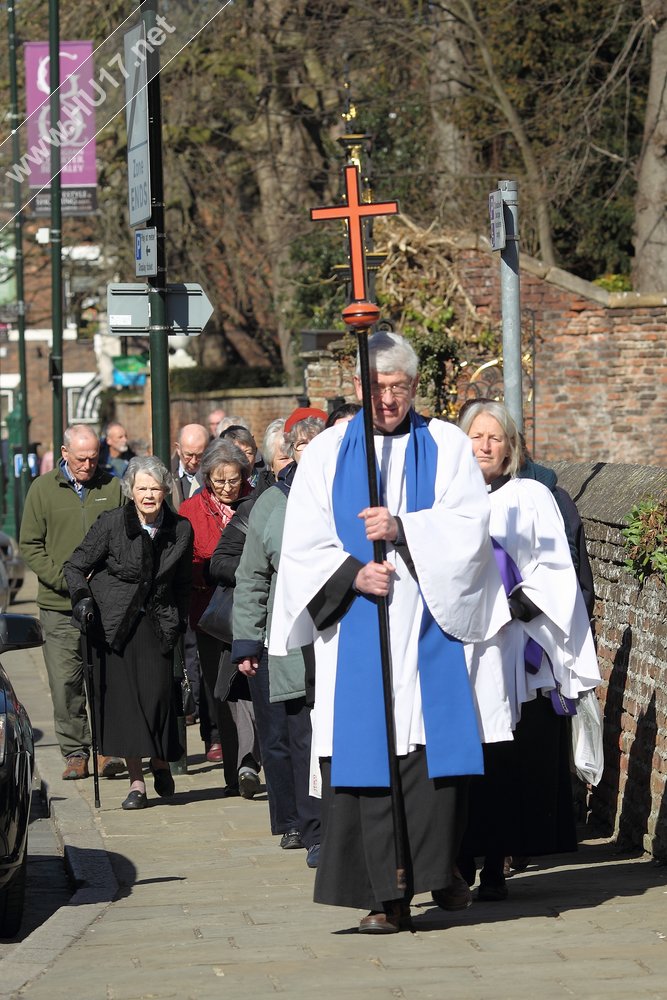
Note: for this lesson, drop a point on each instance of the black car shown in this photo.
(16, 766)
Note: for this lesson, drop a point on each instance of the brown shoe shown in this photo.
(109, 767)
(75, 767)
(457, 895)
(394, 918)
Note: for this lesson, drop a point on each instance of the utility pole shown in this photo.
(157, 297)
(56, 357)
(511, 302)
(24, 482)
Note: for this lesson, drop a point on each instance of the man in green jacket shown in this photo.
(60, 508)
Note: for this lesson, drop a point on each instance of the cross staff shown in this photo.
(354, 212)
(360, 315)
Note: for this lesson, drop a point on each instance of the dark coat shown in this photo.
(130, 571)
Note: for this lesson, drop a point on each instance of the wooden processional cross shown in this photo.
(360, 314)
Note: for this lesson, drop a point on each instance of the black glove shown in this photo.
(83, 613)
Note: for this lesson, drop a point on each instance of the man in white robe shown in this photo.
(443, 588)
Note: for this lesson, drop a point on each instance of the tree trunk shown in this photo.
(453, 153)
(283, 153)
(650, 266)
(531, 166)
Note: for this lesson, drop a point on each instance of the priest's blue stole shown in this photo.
(360, 756)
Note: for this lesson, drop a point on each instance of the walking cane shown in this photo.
(90, 693)
(359, 315)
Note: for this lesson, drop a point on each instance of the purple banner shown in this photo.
(75, 130)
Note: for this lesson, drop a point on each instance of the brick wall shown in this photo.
(631, 631)
(600, 361)
(600, 377)
(257, 406)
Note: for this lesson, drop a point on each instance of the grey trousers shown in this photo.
(64, 666)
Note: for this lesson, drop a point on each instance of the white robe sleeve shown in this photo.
(451, 548)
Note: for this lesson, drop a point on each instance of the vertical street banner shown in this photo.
(74, 132)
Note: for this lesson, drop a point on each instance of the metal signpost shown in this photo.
(154, 308)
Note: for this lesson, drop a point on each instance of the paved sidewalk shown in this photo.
(192, 898)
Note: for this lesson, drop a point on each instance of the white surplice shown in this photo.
(449, 545)
(526, 522)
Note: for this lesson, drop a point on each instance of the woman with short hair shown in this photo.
(130, 586)
(244, 440)
(225, 470)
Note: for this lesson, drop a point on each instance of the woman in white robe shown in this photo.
(543, 660)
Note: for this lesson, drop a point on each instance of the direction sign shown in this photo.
(145, 252)
(128, 309)
(136, 118)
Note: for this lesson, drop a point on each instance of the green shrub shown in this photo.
(614, 282)
(646, 539)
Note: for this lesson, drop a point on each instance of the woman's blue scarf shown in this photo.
(360, 758)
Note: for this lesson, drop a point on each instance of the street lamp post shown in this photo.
(24, 482)
(56, 358)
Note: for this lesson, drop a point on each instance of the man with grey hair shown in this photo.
(115, 451)
(60, 508)
(442, 587)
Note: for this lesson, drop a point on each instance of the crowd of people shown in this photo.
(402, 674)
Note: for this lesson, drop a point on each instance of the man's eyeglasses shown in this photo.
(398, 390)
(191, 454)
(227, 484)
(300, 445)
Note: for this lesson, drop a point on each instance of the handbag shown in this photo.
(189, 706)
(217, 617)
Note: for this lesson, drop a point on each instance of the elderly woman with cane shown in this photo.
(130, 586)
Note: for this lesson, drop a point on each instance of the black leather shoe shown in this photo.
(135, 800)
(492, 892)
(291, 840)
(163, 782)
